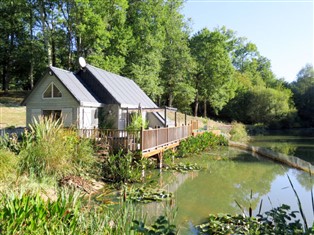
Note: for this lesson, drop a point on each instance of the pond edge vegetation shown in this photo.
(73, 211)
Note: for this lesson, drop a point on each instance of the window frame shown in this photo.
(52, 84)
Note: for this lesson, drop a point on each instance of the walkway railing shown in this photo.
(156, 138)
(142, 140)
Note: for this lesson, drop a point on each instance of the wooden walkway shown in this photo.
(147, 142)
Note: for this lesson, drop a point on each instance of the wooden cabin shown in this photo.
(89, 98)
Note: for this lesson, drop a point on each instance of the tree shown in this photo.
(146, 19)
(303, 89)
(213, 76)
(17, 44)
(177, 61)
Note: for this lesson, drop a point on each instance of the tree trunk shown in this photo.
(205, 108)
(196, 105)
(170, 100)
(31, 67)
(4, 79)
(53, 50)
(45, 33)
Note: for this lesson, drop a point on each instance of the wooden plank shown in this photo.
(158, 150)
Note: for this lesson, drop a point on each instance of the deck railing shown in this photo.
(116, 139)
(142, 140)
(162, 136)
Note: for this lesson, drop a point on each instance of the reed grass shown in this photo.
(49, 150)
(8, 162)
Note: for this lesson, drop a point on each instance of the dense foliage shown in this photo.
(199, 143)
(303, 89)
(214, 73)
(121, 168)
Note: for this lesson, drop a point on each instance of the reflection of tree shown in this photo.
(298, 143)
(216, 189)
(306, 152)
(305, 179)
(285, 148)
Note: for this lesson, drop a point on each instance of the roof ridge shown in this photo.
(53, 67)
(111, 73)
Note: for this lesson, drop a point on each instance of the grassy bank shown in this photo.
(11, 113)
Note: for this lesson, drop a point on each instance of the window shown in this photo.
(52, 92)
(55, 114)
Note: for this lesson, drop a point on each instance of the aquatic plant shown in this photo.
(200, 143)
(160, 226)
(279, 220)
(183, 167)
(145, 194)
(274, 221)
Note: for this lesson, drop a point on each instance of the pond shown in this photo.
(298, 142)
(231, 175)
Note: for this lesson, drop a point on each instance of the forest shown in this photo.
(211, 73)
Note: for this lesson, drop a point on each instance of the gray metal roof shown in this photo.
(77, 89)
(124, 90)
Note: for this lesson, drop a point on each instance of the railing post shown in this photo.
(175, 118)
(142, 140)
(157, 134)
(165, 116)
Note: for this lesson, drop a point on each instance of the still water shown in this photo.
(299, 142)
(229, 177)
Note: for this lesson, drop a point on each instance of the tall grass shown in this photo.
(49, 150)
(69, 214)
(8, 162)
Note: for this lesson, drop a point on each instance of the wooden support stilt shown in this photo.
(159, 160)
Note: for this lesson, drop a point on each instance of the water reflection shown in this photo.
(299, 143)
(215, 190)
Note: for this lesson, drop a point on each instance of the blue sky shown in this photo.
(283, 31)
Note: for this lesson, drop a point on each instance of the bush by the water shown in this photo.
(238, 132)
(121, 168)
(200, 143)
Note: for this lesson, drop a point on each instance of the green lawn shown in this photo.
(11, 113)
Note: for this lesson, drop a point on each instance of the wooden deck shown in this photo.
(146, 142)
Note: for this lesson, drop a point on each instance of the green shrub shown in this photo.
(121, 168)
(238, 132)
(8, 164)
